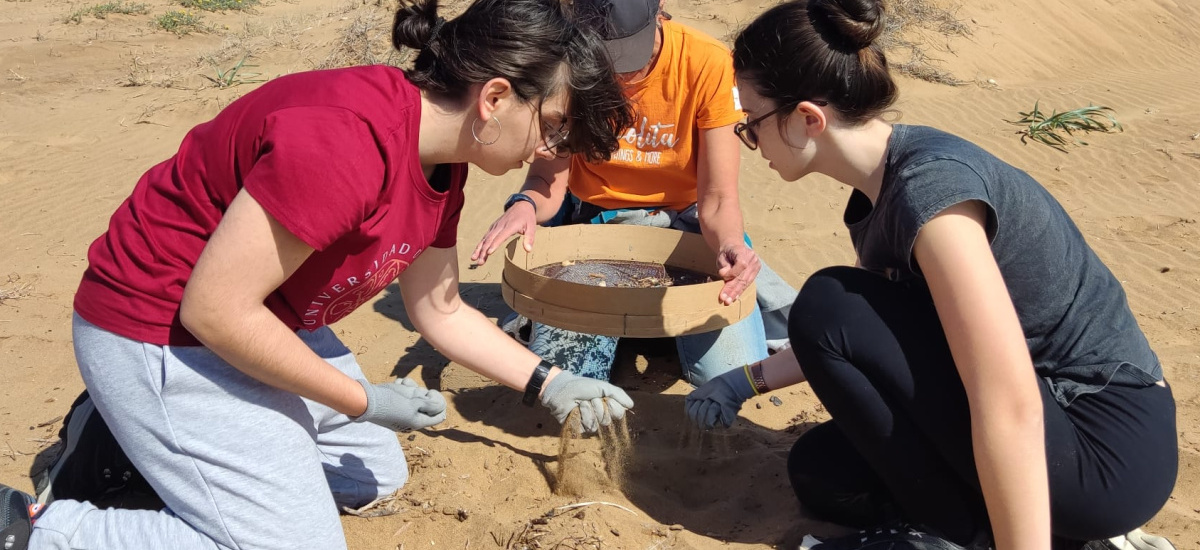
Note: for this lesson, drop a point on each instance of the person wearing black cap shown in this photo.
(677, 167)
(630, 28)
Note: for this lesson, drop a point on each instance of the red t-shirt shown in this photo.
(332, 155)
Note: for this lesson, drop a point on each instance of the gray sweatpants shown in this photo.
(238, 463)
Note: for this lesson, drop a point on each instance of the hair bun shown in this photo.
(851, 24)
(415, 24)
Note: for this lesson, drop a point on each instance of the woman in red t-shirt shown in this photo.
(200, 325)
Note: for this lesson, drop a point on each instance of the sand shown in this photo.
(86, 107)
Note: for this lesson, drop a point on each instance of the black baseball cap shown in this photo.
(627, 27)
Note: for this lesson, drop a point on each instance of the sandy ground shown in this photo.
(86, 107)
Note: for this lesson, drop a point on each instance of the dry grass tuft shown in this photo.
(366, 41)
(15, 289)
(910, 27)
(143, 73)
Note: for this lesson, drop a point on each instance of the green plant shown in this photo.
(1050, 129)
(179, 22)
(100, 11)
(219, 5)
(234, 76)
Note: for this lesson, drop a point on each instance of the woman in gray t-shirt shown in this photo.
(987, 381)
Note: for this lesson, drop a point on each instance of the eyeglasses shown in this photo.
(554, 140)
(749, 135)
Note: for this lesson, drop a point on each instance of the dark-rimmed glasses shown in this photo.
(749, 135)
(553, 141)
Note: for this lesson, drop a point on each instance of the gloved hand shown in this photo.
(567, 391)
(719, 400)
(402, 405)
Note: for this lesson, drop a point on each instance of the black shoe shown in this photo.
(91, 465)
(899, 537)
(16, 518)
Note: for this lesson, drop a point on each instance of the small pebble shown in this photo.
(775, 400)
(615, 532)
(758, 405)
(580, 515)
(1164, 270)
(676, 527)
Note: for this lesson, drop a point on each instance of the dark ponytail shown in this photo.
(819, 49)
(531, 43)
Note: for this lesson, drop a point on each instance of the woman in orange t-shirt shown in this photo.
(676, 167)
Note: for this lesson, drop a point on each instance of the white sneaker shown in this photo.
(1138, 540)
(898, 537)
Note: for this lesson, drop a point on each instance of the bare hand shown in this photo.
(519, 218)
(738, 265)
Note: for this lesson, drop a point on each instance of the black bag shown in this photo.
(91, 466)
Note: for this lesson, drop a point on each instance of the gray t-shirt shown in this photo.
(1077, 323)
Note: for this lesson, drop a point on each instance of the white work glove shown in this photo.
(402, 405)
(599, 402)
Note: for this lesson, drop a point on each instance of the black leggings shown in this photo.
(899, 445)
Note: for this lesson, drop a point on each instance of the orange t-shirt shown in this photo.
(691, 88)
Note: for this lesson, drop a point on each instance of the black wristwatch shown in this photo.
(534, 387)
(519, 197)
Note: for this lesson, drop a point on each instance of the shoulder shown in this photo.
(331, 127)
(346, 83)
(922, 143)
(695, 43)
(918, 150)
(379, 95)
(928, 171)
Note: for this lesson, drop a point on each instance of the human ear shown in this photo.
(491, 94)
(815, 121)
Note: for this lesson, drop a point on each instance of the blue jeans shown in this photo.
(702, 356)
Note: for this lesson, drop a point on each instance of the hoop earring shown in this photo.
(475, 134)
